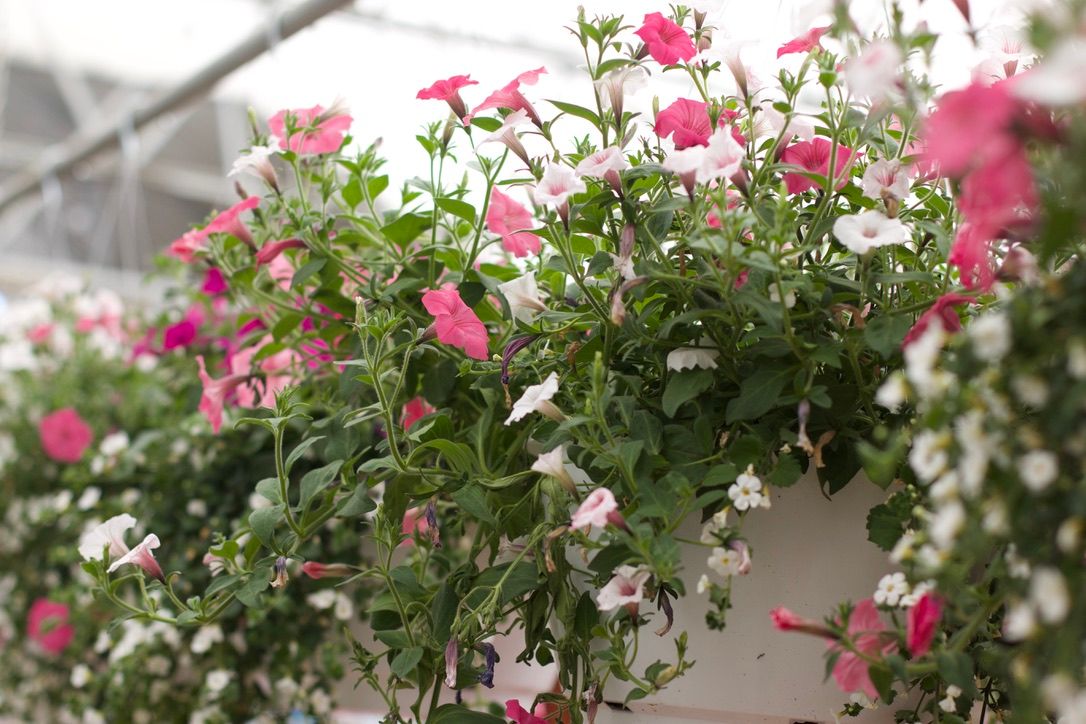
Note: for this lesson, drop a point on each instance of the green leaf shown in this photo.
(308, 269)
(269, 488)
(683, 387)
(522, 578)
(956, 667)
(885, 333)
(473, 502)
(578, 111)
(459, 208)
(298, 451)
(405, 662)
(352, 192)
(357, 503)
(263, 523)
(443, 611)
(786, 473)
(317, 480)
(758, 394)
(458, 455)
(886, 522)
(406, 229)
(286, 324)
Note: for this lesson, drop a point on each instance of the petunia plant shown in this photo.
(581, 333)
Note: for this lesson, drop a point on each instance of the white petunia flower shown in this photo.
(558, 183)
(869, 230)
(258, 163)
(81, 676)
(688, 358)
(111, 533)
(1038, 469)
(523, 296)
(537, 398)
(891, 588)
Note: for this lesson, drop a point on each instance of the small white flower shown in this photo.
(945, 488)
(948, 703)
(1038, 469)
(688, 358)
(991, 336)
(114, 444)
(775, 296)
(886, 179)
(995, 520)
(1017, 566)
(1019, 623)
(1076, 359)
(703, 584)
(89, 498)
(928, 457)
(945, 525)
(536, 398)
(323, 599)
(725, 562)
(869, 230)
(217, 680)
(904, 549)
(320, 701)
(919, 591)
(1049, 595)
(205, 638)
(893, 392)
(343, 609)
(891, 588)
(746, 492)
(81, 676)
(523, 296)
(1069, 535)
(196, 508)
(1031, 390)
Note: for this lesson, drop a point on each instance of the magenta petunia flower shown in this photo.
(520, 715)
(64, 436)
(814, 156)
(687, 122)
(214, 282)
(509, 220)
(510, 97)
(316, 130)
(455, 323)
(416, 409)
(667, 43)
(47, 626)
(448, 90)
(804, 43)
(942, 313)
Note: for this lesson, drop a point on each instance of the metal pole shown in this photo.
(59, 159)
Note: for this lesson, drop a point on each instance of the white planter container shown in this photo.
(809, 555)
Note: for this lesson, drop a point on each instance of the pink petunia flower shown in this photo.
(64, 436)
(275, 368)
(867, 633)
(687, 122)
(213, 399)
(47, 626)
(607, 164)
(509, 220)
(273, 249)
(941, 313)
(814, 157)
(448, 90)
(316, 130)
(228, 222)
(316, 570)
(214, 282)
(185, 246)
(142, 556)
(804, 43)
(558, 183)
(598, 509)
(455, 323)
(510, 97)
(968, 126)
(416, 409)
(667, 43)
(520, 715)
(922, 624)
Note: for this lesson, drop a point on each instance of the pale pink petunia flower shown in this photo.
(47, 626)
(868, 230)
(686, 121)
(510, 220)
(455, 323)
(64, 436)
(448, 90)
(886, 179)
(185, 246)
(510, 97)
(258, 163)
(598, 509)
(607, 164)
(626, 588)
(559, 182)
(666, 42)
(110, 533)
(804, 43)
(875, 73)
(506, 135)
(869, 636)
(213, 398)
(141, 556)
(316, 130)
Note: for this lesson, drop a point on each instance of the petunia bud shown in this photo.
(743, 550)
(803, 412)
(786, 620)
(515, 345)
(316, 570)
